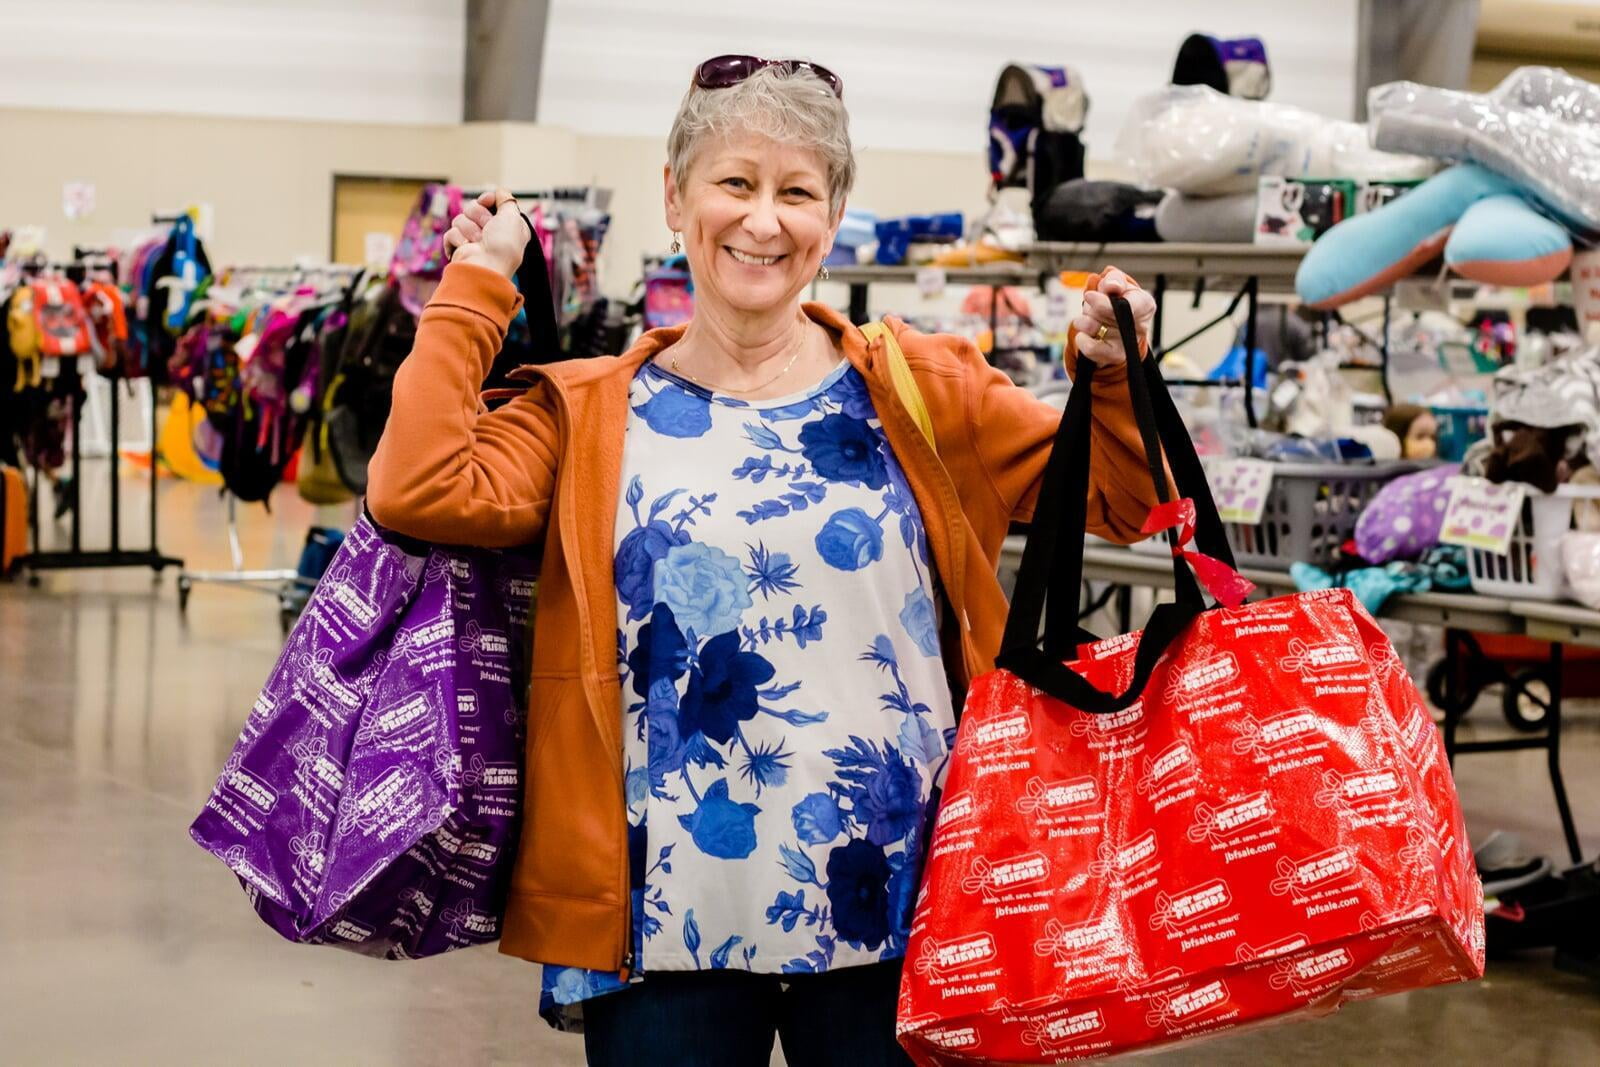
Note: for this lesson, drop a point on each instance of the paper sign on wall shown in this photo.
(379, 247)
(1482, 514)
(77, 199)
(1240, 487)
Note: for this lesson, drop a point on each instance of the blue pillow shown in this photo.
(1481, 222)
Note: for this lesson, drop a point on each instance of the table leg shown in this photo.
(1452, 690)
(858, 302)
(1553, 751)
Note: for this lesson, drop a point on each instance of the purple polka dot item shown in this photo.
(1403, 520)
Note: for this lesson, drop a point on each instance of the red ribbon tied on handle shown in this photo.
(1227, 585)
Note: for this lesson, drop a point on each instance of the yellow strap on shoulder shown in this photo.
(905, 385)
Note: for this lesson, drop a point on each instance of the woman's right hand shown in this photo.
(490, 232)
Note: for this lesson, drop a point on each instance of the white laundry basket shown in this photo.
(1531, 567)
(1310, 512)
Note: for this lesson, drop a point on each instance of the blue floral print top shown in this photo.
(786, 715)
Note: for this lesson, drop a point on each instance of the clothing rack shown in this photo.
(276, 582)
(76, 557)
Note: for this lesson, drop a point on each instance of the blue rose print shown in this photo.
(844, 449)
(636, 786)
(667, 749)
(571, 985)
(704, 586)
(850, 540)
(921, 621)
(675, 412)
(722, 689)
(902, 895)
(858, 878)
(636, 561)
(726, 729)
(661, 654)
(891, 801)
(720, 827)
(850, 393)
(816, 819)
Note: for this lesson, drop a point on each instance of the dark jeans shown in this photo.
(729, 1018)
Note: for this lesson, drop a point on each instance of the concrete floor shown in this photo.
(122, 943)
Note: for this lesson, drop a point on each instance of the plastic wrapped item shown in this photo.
(1207, 219)
(1196, 140)
(1580, 556)
(1538, 128)
(373, 799)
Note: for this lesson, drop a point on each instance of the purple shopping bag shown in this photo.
(372, 800)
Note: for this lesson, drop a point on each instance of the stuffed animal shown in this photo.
(1506, 215)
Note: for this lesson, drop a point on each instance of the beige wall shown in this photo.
(269, 182)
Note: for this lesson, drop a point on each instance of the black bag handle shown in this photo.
(1051, 572)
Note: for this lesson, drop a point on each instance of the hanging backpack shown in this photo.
(183, 276)
(318, 480)
(61, 320)
(668, 296)
(169, 284)
(1235, 67)
(418, 261)
(1034, 126)
(24, 337)
(266, 429)
(108, 324)
(140, 273)
(356, 405)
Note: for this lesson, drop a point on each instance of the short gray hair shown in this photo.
(791, 107)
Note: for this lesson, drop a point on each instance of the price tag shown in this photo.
(1240, 487)
(1481, 514)
(931, 282)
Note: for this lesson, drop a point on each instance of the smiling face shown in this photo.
(755, 220)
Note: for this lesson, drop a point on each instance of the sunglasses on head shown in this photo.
(724, 72)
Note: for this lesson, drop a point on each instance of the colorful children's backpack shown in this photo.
(1034, 126)
(184, 275)
(60, 318)
(418, 261)
(24, 337)
(108, 322)
(357, 399)
(668, 295)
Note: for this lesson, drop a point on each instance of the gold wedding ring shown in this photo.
(1100, 334)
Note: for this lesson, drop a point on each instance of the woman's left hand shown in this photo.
(1106, 349)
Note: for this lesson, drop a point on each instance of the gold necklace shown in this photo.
(748, 389)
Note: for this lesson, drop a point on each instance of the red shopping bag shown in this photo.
(1236, 814)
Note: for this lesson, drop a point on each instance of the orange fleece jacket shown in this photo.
(546, 467)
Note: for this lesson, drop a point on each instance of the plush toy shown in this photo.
(1506, 215)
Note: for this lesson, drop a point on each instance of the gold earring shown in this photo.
(676, 246)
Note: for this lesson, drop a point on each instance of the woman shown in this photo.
(762, 594)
